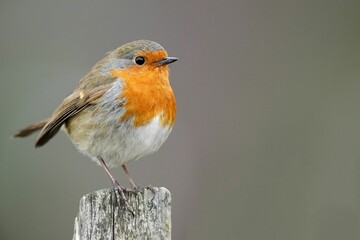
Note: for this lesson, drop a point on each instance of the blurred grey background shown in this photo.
(266, 143)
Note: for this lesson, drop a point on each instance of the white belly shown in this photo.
(128, 143)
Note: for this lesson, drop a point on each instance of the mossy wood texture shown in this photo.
(101, 217)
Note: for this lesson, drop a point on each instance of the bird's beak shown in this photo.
(166, 61)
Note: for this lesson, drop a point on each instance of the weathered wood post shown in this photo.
(101, 217)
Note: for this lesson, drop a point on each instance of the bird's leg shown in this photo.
(129, 177)
(119, 190)
(132, 181)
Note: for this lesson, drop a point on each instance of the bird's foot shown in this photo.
(151, 188)
(120, 196)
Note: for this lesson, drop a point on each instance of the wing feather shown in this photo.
(71, 105)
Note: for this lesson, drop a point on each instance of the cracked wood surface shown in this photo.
(101, 217)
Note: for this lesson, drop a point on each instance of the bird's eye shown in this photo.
(139, 60)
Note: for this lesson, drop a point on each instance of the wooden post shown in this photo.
(101, 217)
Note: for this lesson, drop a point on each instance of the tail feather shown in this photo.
(26, 131)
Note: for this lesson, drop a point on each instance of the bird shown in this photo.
(123, 109)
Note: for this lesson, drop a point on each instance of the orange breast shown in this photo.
(148, 93)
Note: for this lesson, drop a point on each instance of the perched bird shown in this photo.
(123, 109)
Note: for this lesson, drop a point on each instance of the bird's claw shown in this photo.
(120, 196)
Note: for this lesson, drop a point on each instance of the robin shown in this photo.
(122, 110)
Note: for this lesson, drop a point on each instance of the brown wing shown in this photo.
(71, 105)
